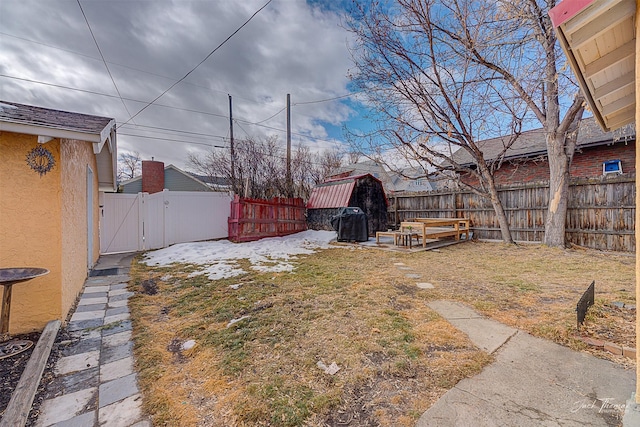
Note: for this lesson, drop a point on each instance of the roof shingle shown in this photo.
(56, 119)
(532, 143)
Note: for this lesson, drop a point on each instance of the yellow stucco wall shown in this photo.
(76, 156)
(31, 231)
(43, 223)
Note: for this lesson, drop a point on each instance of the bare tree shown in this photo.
(324, 163)
(542, 86)
(261, 168)
(487, 59)
(129, 166)
(354, 156)
(431, 97)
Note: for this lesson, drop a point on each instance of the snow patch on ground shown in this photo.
(219, 258)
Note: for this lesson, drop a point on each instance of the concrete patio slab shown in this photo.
(485, 333)
(533, 382)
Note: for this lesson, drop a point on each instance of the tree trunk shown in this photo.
(560, 148)
(497, 207)
(554, 227)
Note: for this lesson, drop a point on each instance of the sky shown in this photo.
(218, 259)
(49, 58)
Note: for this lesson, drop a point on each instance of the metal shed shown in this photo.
(363, 191)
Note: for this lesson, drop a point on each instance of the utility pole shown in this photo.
(233, 154)
(288, 177)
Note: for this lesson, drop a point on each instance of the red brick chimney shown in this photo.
(152, 176)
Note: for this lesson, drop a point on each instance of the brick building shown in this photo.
(526, 160)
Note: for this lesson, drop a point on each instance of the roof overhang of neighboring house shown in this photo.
(101, 133)
(531, 144)
(598, 38)
(177, 170)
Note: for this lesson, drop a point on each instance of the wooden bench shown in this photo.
(387, 233)
(417, 230)
(400, 238)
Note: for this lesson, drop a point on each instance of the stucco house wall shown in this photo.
(31, 231)
(76, 157)
(48, 220)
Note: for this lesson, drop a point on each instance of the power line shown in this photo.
(129, 67)
(61, 86)
(201, 62)
(175, 140)
(103, 60)
(262, 152)
(348, 95)
(283, 130)
(109, 96)
(269, 118)
(174, 134)
(171, 130)
(307, 103)
(236, 120)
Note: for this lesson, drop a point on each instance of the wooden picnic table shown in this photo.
(426, 228)
(436, 228)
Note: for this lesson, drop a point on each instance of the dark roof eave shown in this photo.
(533, 154)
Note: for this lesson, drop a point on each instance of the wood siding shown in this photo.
(601, 212)
(254, 219)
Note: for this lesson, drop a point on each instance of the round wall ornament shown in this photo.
(40, 160)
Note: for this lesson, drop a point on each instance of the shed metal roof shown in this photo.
(336, 192)
(331, 196)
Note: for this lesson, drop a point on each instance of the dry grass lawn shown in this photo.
(356, 308)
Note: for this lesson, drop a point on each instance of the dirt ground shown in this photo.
(359, 308)
(259, 337)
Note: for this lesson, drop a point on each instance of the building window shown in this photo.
(611, 167)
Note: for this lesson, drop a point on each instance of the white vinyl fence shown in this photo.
(136, 222)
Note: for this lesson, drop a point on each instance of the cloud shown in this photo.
(290, 47)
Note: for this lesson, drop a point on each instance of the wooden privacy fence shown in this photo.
(253, 219)
(601, 213)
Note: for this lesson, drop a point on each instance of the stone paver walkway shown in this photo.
(95, 383)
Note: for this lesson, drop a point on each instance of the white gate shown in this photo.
(136, 222)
